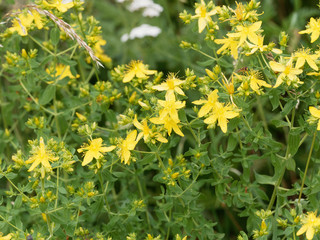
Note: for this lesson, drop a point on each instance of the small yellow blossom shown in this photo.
(255, 80)
(127, 145)
(168, 115)
(170, 106)
(287, 72)
(41, 155)
(94, 150)
(146, 131)
(136, 69)
(169, 124)
(179, 238)
(257, 45)
(247, 32)
(221, 114)
(171, 85)
(203, 16)
(313, 27)
(37, 19)
(98, 50)
(7, 237)
(310, 225)
(22, 23)
(228, 43)
(242, 13)
(209, 104)
(59, 5)
(303, 56)
(315, 113)
(60, 72)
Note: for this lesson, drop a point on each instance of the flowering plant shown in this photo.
(142, 154)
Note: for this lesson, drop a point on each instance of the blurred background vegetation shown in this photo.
(163, 52)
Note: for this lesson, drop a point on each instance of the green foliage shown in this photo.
(225, 148)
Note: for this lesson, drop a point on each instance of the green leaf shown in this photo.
(264, 179)
(274, 99)
(18, 202)
(206, 63)
(55, 36)
(291, 164)
(280, 123)
(288, 107)
(294, 140)
(62, 190)
(47, 94)
(232, 143)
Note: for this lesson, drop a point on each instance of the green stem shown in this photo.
(34, 100)
(105, 190)
(67, 50)
(203, 53)
(141, 195)
(78, 214)
(14, 185)
(57, 191)
(5, 220)
(276, 187)
(261, 112)
(169, 220)
(43, 47)
(307, 166)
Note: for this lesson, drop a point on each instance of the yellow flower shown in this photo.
(245, 32)
(98, 50)
(137, 69)
(228, 43)
(303, 56)
(242, 13)
(94, 150)
(311, 225)
(221, 114)
(169, 124)
(41, 155)
(255, 81)
(209, 104)
(171, 85)
(37, 19)
(203, 16)
(23, 22)
(287, 73)
(146, 131)
(179, 238)
(313, 27)
(7, 237)
(60, 72)
(168, 115)
(170, 106)
(315, 113)
(257, 45)
(59, 4)
(127, 145)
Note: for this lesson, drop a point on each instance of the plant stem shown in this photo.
(14, 185)
(5, 220)
(307, 166)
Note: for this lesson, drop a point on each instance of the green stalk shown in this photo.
(307, 166)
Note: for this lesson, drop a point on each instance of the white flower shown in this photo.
(150, 9)
(141, 32)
